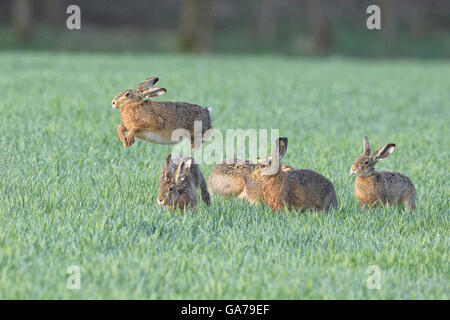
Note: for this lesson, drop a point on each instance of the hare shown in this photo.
(231, 177)
(293, 189)
(156, 121)
(386, 187)
(178, 183)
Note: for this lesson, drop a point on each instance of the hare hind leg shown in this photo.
(410, 202)
(330, 202)
(408, 198)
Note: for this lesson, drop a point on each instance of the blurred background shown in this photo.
(409, 28)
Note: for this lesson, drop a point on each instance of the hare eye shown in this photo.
(127, 95)
(366, 162)
(171, 188)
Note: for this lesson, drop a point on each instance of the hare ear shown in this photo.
(183, 170)
(279, 148)
(147, 83)
(167, 166)
(383, 152)
(366, 146)
(153, 92)
(278, 152)
(168, 161)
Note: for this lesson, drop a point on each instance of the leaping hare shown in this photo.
(294, 189)
(386, 187)
(178, 183)
(156, 121)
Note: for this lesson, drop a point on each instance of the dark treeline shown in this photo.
(318, 26)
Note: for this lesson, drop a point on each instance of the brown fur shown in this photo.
(296, 189)
(292, 189)
(178, 187)
(230, 178)
(373, 188)
(156, 121)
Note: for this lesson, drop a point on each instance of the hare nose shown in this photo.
(160, 201)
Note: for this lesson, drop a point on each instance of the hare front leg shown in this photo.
(129, 139)
(120, 131)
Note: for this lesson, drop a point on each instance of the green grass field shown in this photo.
(70, 194)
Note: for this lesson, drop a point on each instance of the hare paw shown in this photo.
(128, 141)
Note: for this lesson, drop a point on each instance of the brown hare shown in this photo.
(230, 178)
(385, 187)
(156, 121)
(294, 189)
(178, 183)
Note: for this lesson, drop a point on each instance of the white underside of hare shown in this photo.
(154, 137)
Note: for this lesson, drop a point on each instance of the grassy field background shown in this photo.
(70, 194)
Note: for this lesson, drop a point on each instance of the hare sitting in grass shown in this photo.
(293, 189)
(230, 178)
(156, 121)
(385, 187)
(178, 183)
